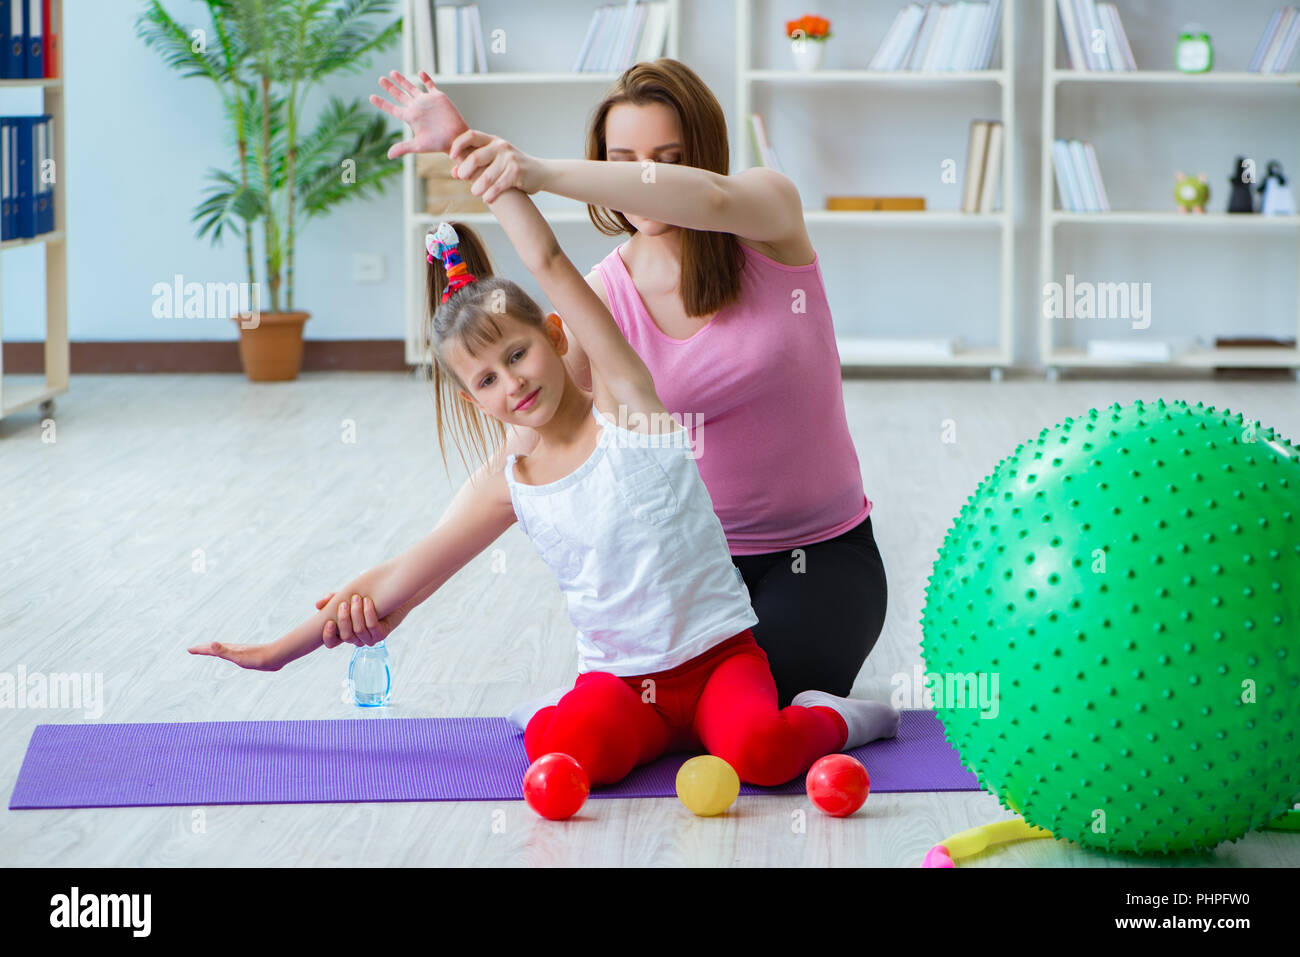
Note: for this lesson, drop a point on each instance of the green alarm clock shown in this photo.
(1192, 53)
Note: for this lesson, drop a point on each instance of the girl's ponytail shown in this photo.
(473, 253)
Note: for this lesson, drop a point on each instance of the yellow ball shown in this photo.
(707, 785)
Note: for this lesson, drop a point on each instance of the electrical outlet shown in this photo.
(368, 267)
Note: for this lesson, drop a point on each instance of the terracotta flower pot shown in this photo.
(272, 350)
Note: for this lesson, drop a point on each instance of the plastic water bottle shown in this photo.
(370, 676)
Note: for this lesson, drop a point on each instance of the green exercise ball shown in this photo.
(1126, 590)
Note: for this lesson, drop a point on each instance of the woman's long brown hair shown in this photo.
(711, 261)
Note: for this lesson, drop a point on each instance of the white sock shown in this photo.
(524, 713)
(866, 720)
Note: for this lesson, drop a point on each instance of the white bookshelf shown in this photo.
(416, 222)
(860, 351)
(1164, 224)
(22, 392)
(516, 77)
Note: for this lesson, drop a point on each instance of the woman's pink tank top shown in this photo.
(759, 389)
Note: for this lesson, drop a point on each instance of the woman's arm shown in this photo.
(757, 204)
(486, 512)
(613, 361)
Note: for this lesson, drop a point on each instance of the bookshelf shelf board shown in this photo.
(43, 239)
(1174, 76)
(53, 83)
(921, 217)
(865, 352)
(1195, 358)
(447, 79)
(488, 219)
(1180, 220)
(23, 392)
(876, 76)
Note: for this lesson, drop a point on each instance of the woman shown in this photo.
(719, 291)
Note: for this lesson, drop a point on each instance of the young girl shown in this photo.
(613, 501)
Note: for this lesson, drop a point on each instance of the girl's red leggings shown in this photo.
(722, 701)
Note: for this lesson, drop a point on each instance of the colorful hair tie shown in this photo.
(444, 243)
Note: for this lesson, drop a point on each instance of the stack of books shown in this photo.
(941, 37)
(26, 182)
(622, 34)
(1094, 36)
(983, 167)
(1078, 177)
(449, 39)
(1277, 45)
(29, 45)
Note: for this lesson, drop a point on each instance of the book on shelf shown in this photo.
(29, 39)
(1078, 177)
(762, 146)
(940, 37)
(448, 39)
(425, 50)
(1094, 36)
(621, 34)
(1253, 342)
(983, 166)
(26, 200)
(1278, 43)
(875, 204)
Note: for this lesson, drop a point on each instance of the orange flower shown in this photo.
(814, 28)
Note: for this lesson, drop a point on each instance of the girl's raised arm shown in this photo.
(612, 359)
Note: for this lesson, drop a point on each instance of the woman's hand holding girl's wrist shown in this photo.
(494, 165)
(357, 622)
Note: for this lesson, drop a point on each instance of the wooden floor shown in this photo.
(173, 509)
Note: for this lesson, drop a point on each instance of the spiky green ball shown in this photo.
(1129, 585)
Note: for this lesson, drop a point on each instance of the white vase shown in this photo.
(808, 54)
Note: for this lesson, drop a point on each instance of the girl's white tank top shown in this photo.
(638, 552)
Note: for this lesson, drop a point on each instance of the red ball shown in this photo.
(556, 786)
(838, 784)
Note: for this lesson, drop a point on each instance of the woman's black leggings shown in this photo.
(819, 612)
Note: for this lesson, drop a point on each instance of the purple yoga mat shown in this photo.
(383, 759)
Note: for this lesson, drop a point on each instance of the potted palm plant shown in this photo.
(265, 57)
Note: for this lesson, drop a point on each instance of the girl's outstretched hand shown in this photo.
(432, 117)
(494, 165)
(253, 657)
(358, 623)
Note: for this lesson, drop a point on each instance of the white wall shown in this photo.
(140, 141)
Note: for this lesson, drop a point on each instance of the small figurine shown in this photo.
(1191, 193)
(1193, 53)
(1275, 195)
(1241, 201)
